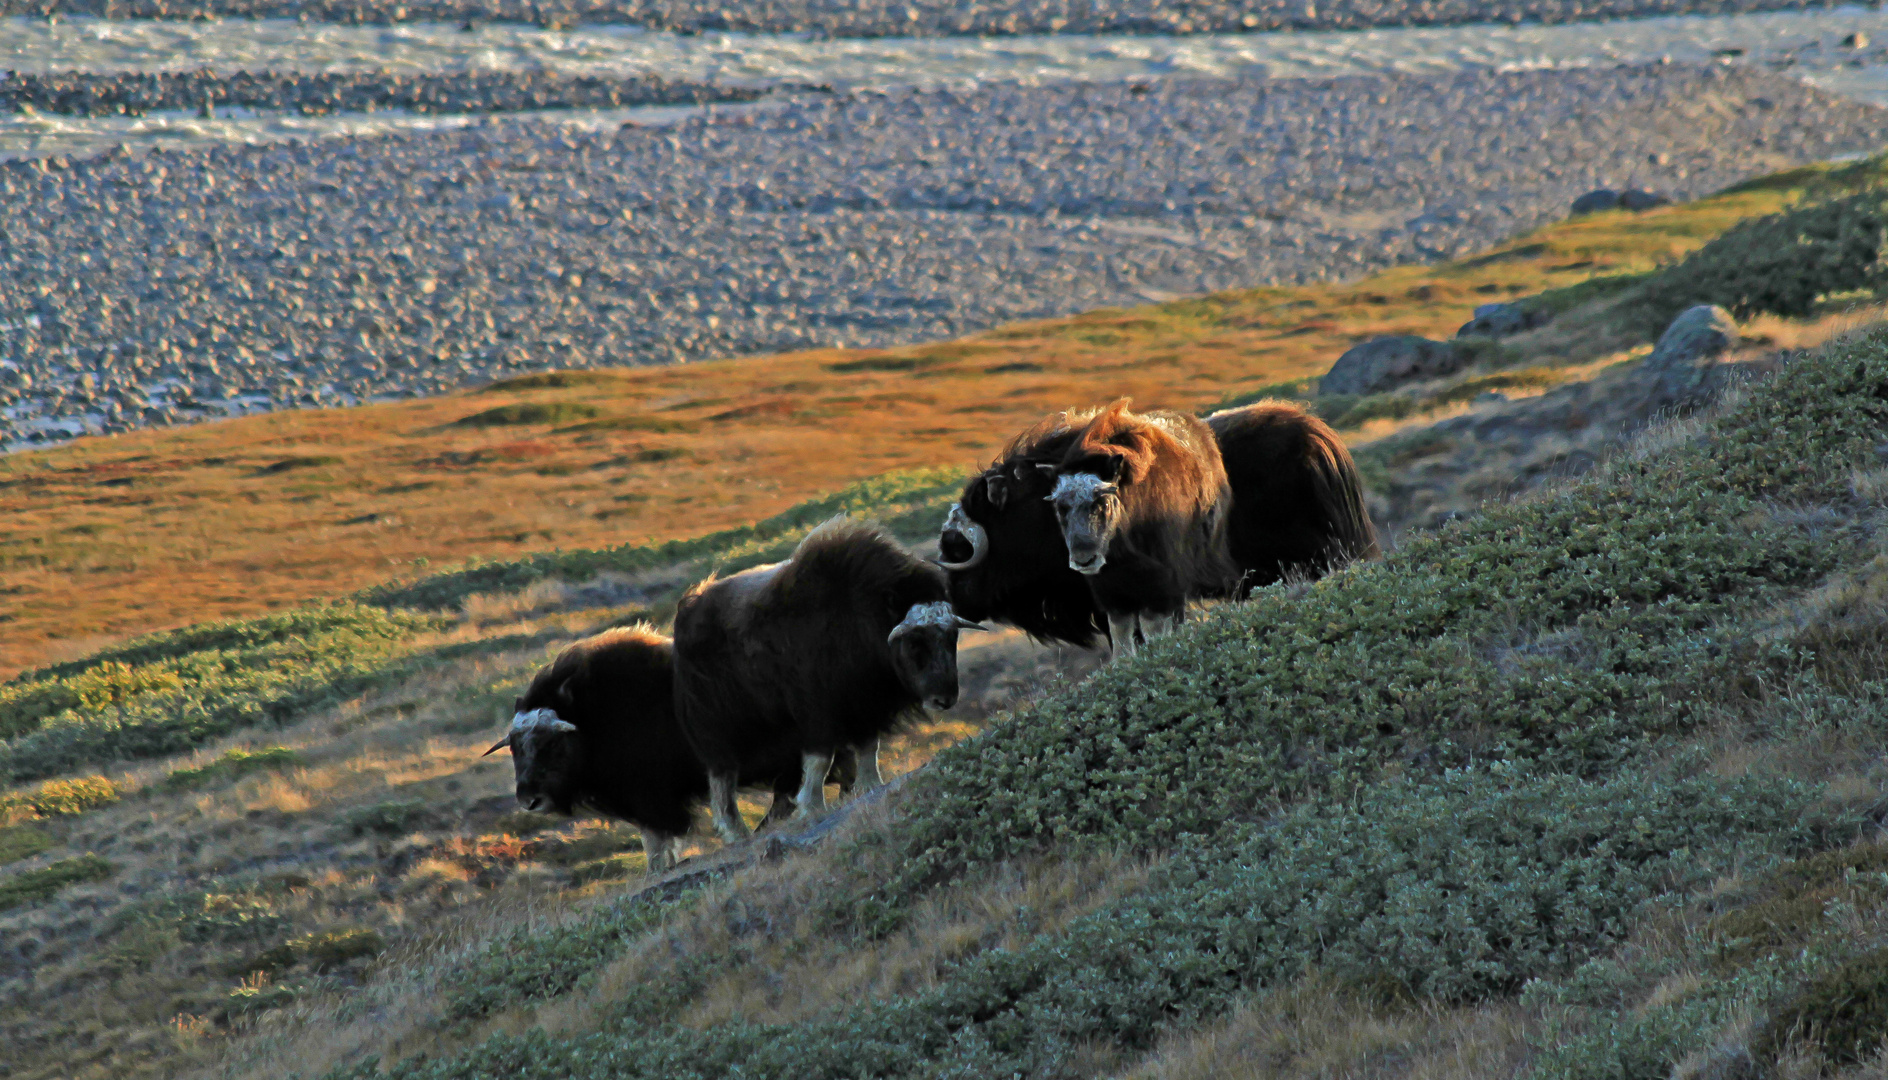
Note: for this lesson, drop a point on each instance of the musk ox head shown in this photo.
(545, 751)
(962, 543)
(924, 652)
(1088, 510)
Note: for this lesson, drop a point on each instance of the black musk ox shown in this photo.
(1142, 503)
(597, 729)
(780, 667)
(1003, 549)
(1297, 503)
(1297, 511)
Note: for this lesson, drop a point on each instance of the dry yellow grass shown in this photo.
(110, 537)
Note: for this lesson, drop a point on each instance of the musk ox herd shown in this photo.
(1093, 525)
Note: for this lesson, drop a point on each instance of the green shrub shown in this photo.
(531, 412)
(1290, 390)
(235, 763)
(903, 500)
(1802, 893)
(559, 380)
(1458, 888)
(58, 798)
(303, 461)
(36, 885)
(170, 692)
(1779, 264)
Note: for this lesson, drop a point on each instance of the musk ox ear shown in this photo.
(564, 693)
(1106, 466)
(497, 746)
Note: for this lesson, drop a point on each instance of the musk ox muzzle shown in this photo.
(924, 645)
(1086, 506)
(963, 543)
(537, 775)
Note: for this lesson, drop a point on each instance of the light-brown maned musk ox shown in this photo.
(1297, 511)
(1297, 502)
(1142, 501)
(597, 728)
(779, 667)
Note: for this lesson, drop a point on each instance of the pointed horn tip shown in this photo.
(501, 744)
(966, 624)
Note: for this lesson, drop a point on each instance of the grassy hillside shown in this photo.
(260, 514)
(1584, 785)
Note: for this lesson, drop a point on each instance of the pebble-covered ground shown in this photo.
(900, 18)
(169, 287)
(76, 93)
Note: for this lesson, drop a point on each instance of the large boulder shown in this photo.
(1595, 201)
(1683, 365)
(1387, 362)
(1501, 320)
(1641, 199)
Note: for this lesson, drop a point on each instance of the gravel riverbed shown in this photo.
(171, 287)
(919, 18)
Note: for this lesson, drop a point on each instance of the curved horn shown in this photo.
(938, 613)
(960, 523)
(561, 725)
(966, 624)
(497, 746)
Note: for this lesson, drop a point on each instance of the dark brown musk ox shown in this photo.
(1142, 502)
(1297, 512)
(596, 730)
(780, 667)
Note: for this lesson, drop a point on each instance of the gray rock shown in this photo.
(1857, 40)
(1387, 362)
(1502, 320)
(1595, 201)
(1683, 366)
(1641, 199)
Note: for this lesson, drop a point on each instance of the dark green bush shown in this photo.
(1779, 264)
(23, 842)
(1458, 888)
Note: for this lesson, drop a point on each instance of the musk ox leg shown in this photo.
(814, 765)
(845, 770)
(867, 756)
(1161, 625)
(659, 850)
(1124, 629)
(727, 816)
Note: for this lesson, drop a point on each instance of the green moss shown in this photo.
(392, 818)
(886, 363)
(291, 464)
(1290, 390)
(36, 885)
(531, 412)
(235, 763)
(630, 423)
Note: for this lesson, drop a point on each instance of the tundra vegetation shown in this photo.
(1587, 784)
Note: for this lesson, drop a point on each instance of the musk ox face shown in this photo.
(924, 652)
(545, 751)
(1088, 511)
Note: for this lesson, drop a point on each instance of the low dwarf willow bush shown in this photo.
(1457, 887)
(1567, 631)
(888, 497)
(169, 692)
